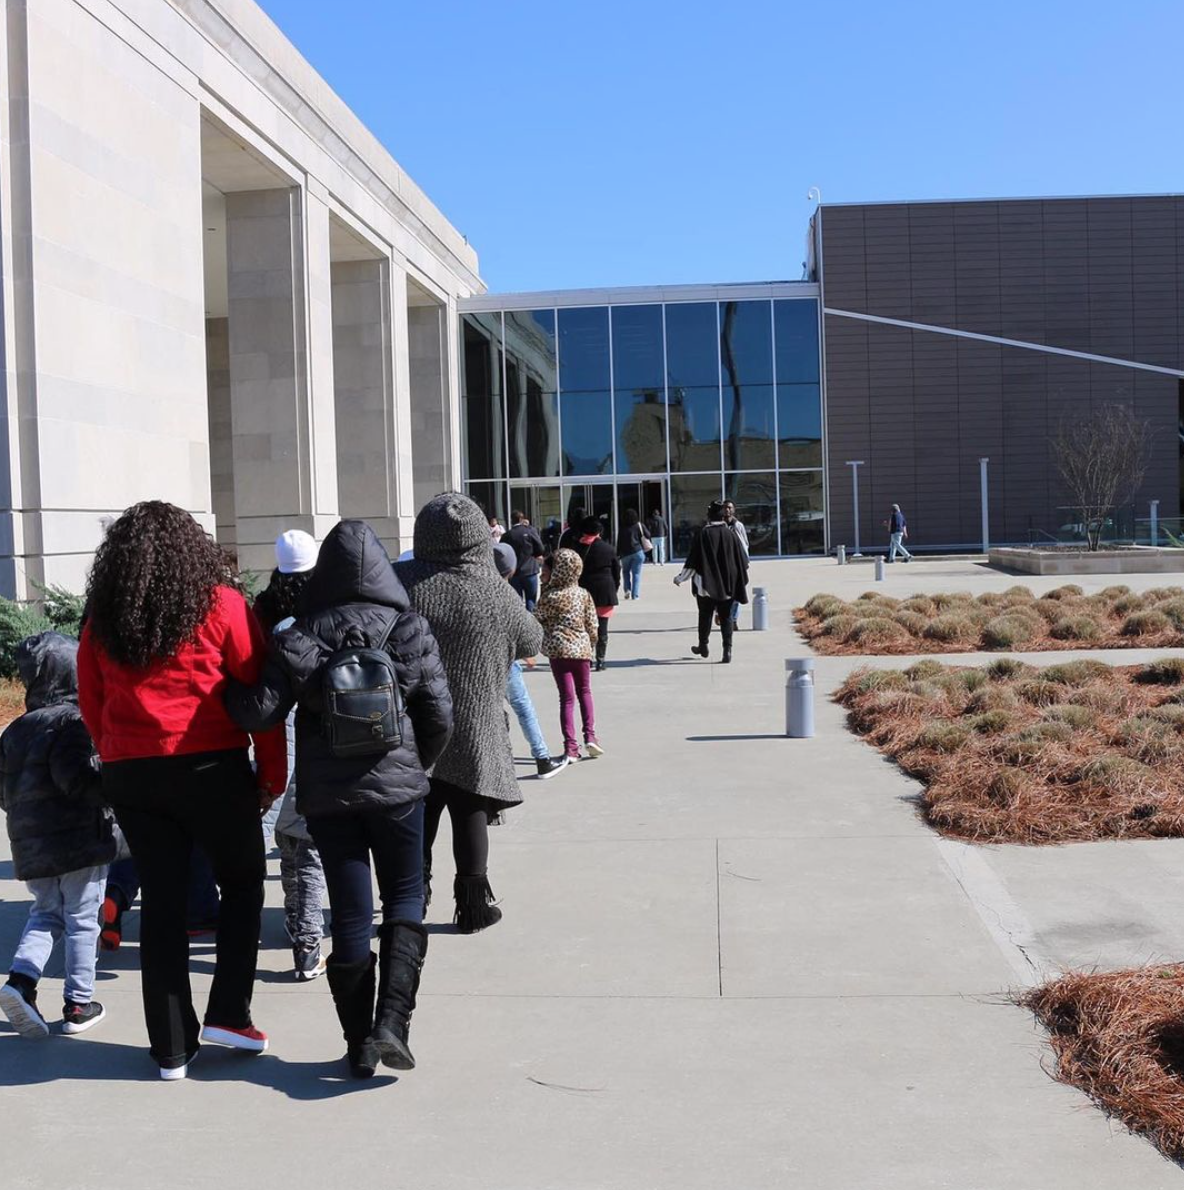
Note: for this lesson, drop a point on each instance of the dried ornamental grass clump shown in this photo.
(1119, 1037)
(1076, 628)
(1167, 672)
(1009, 631)
(1148, 623)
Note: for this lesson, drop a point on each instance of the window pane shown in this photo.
(481, 375)
(749, 442)
(799, 425)
(583, 349)
(641, 432)
(796, 326)
(492, 499)
(694, 429)
(801, 512)
(746, 342)
(692, 342)
(530, 344)
(689, 497)
(637, 349)
(532, 423)
(755, 497)
(587, 420)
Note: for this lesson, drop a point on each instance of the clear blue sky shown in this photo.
(581, 143)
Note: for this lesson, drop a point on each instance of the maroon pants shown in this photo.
(574, 680)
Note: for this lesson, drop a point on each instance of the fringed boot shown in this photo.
(402, 946)
(352, 985)
(475, 909)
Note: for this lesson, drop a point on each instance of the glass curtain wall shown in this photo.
(655, 405)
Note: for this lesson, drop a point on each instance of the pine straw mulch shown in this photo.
(12, 700)
(1010, 753)
(1119, 1037)
(876, 624)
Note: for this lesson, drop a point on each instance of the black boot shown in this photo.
(700, 650)
(475, 909)
(352, 985)
(402, 946)
(427, 881)
(601, 643)
(726, 632)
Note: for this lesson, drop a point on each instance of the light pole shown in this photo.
(1155, 522)
(855, 464)
(982, 471)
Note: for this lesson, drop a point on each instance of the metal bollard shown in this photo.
(879, 570)
(799, 698)
(760, 609)
(841, 555)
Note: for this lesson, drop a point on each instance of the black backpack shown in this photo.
(361, 704)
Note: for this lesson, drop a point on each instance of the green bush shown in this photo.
(1076, 628)
(17, 621)
(1008, 631)
(1168, 671)
(1149, 623)
(63, 609)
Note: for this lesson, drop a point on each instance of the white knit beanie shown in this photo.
(295, 551)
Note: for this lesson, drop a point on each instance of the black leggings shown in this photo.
(470, 814)
(708, 610)
(602, 639)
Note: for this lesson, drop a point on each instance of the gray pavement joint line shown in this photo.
(719, 930)
(1005, 921)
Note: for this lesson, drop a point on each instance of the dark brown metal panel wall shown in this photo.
(1101, 276)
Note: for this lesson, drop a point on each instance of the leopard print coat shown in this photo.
(567, 613)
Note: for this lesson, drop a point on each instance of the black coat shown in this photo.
(629, 540)
(51, 786)
(718, 558)
(353, 592)
(602, 572)
(527, 546)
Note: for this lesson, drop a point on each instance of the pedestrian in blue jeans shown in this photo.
(898, 530)
(517, 694)
(631, 550)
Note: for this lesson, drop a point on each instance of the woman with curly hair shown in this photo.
(165, 633)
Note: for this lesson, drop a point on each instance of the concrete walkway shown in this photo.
(727, 959)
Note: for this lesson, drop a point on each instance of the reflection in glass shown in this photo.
(641, 431)
(692, 343)
(689, 497)
(587, 420)
(755, 497)
(637, 348)
(591, 499)
(583, 349)
(795, 323)
(532, 425)
(543, 508)
(694, 429)
(746, 342)
(801, 512)
(481, 374)
(492, 499)
(799, 425)
(749, 428)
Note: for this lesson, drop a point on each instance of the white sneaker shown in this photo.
(22, 1013)
(595, 751)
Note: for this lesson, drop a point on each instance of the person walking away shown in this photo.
(302, 875)
(631, 547)
(601, 578)
(529, 551)
(717, 569)
(658, 534)
(166, 631)
(575, 529)
(373, 713)
(482, 627)
(517, 694)
(568, 616)
(737, 526)
(60, 833)
(898, 530)
(496, 531)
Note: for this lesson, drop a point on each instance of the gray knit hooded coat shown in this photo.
(481, 626)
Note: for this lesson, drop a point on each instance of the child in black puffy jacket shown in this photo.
(61, 835)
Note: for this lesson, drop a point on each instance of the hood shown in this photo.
(566, 569)
(451, 529)
(353, 567)
(48, 666)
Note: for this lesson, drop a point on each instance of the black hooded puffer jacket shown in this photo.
(353, 589)
(51, 786)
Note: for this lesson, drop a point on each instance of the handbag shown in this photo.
(646, 544)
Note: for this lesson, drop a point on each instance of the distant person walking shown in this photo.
(737, 527)
(482, 628)
(575, 527)
(631, 546)
(601, 578)
(495, 530)
(568, 616)
(898, 531)
(523, 538)
(717, 569)
(659, 531)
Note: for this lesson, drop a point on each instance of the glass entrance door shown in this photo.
(542, 505)
(592, 499)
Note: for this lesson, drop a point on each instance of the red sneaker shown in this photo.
(250, 1038)
(110, 924)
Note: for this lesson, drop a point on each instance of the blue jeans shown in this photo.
(527, 585)
(631, 565)
(896, 546)
(519, 699)
(394, 836)
(67, 905)
(659, 550)
(123, 880)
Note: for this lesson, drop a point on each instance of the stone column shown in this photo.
(221, 433)
(403, 490)
(276, 485)
(429, 401)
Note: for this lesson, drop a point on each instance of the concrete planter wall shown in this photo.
(1140, 560)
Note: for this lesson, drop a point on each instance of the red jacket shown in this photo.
(175, 706)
